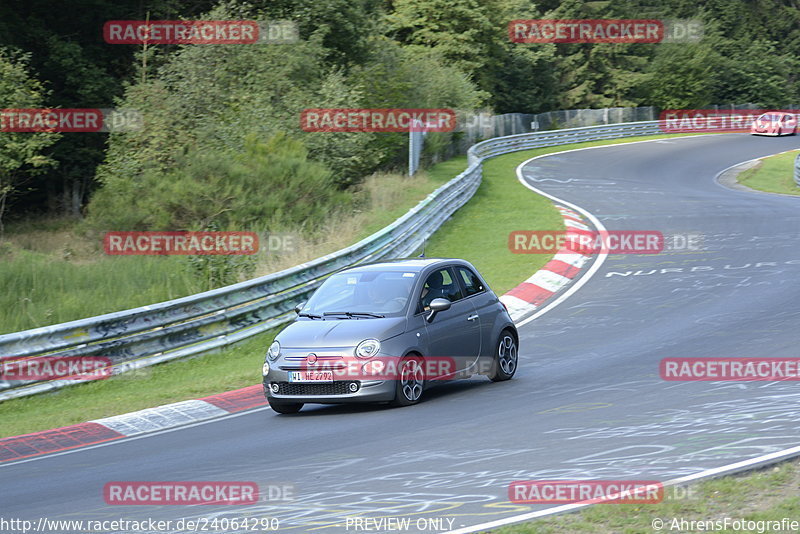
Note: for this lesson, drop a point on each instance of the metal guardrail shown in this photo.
(512, 143)
(206, 321)
(797, 169)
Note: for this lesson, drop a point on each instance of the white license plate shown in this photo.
(310, 376)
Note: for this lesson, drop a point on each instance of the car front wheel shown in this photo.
(410, 381)
(505, 358)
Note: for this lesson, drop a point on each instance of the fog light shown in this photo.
(274, 387)
(353, 387)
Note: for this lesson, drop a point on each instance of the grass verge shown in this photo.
(762, 496)
(40, 289)
(773, 174)
(477, 232)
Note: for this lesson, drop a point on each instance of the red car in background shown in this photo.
(774, 123)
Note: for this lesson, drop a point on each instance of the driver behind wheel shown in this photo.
(388, 296)
(434, 289)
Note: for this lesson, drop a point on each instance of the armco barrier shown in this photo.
(207, 321)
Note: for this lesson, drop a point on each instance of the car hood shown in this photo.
(339, 332)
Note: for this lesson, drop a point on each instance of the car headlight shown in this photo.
(368, 348)
(274, 351)
(265, 369)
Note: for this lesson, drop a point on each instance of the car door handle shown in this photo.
(472, 317)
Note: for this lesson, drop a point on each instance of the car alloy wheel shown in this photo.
(410, 381)
(505, 363)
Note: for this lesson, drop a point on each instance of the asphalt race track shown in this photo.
(586, 403)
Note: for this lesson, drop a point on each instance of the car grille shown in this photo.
(327, 388)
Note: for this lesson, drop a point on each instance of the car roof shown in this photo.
(404, 264)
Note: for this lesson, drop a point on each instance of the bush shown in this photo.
(267, 184)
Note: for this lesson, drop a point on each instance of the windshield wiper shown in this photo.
(309, 315)
(356, 314)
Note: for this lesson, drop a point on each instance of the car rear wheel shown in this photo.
(505, 357)
(285, 407)
(410, 381)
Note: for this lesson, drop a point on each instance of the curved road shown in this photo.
(587, 401)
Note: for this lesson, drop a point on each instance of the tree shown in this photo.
(344, 27)
(463, 31)
(22, 154)
(80, 71)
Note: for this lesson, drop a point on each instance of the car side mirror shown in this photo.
(436, 306)
(299, 307)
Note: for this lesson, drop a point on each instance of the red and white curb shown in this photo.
(130, 424)
(557, 274)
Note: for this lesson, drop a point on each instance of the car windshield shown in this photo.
(358, 295)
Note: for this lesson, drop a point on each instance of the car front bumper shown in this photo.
(336, 392)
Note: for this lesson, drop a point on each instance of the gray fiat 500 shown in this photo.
(385, 332)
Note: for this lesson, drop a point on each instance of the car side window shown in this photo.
(440, 284)
(472, 284)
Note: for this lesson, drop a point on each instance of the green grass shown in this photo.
(40, 289)
(773, 174)
(413, 191)
(477, 232)
(769, 494)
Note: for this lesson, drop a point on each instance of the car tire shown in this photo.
(410, 381)
(285, 407)
(504, 363)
